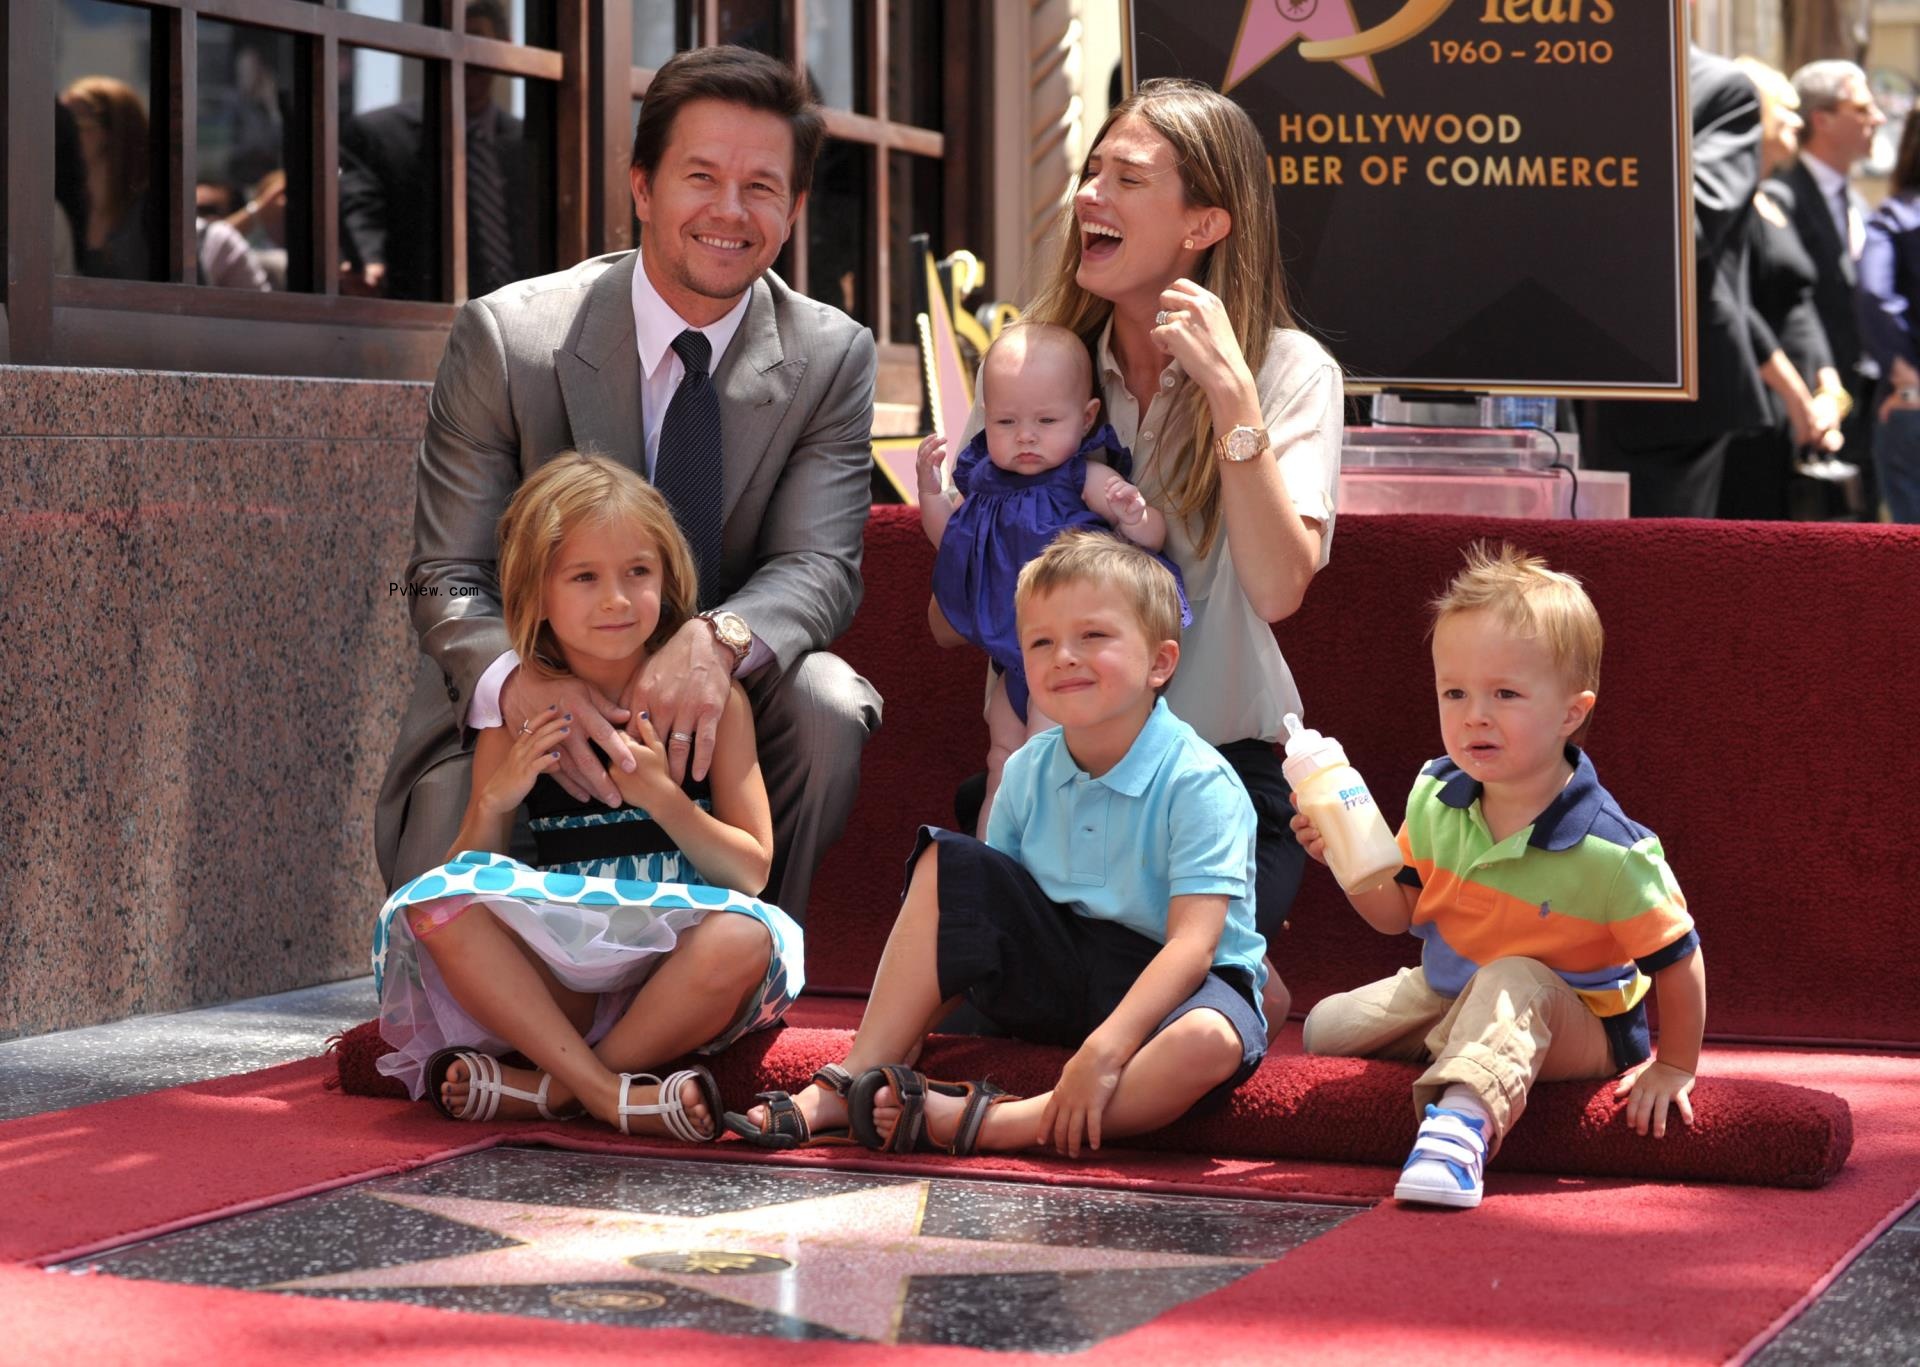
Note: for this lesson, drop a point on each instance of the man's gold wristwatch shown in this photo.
(1241, 444)
(730, 629)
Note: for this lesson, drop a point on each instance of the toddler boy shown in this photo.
(1544, 913)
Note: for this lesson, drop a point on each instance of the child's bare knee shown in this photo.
(1206, 1046)
(730, 951)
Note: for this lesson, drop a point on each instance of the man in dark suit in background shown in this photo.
(1830, 218)
(389, 180)
(1676, 452)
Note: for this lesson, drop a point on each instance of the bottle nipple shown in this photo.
(1300, 739)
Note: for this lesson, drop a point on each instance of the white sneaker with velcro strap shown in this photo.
(1448, 1160)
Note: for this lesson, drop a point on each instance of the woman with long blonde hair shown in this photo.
(1168, 269)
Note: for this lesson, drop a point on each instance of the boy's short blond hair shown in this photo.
(1133, 575)
(568, 492)
(1533, 602)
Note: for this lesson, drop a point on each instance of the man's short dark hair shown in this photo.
(737, 75)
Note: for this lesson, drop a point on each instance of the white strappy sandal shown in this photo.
(486, 1086)
(671, 1110)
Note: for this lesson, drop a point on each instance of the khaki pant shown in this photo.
(1517, 1022)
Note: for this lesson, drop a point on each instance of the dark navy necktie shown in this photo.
(686, 468)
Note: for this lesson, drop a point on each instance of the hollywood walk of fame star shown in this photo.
(1268, 26)
(839, 1262)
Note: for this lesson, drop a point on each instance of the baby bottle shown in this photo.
(1361, 851)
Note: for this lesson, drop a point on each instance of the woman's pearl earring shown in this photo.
(1188, 244)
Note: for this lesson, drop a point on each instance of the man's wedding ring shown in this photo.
(686, 736)
(1162, 318)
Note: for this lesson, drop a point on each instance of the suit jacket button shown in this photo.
(453, 694)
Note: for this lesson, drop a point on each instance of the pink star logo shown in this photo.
(841, 1262)
(1268, 26)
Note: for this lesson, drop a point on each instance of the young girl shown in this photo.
(1036, 469)
(616, 953)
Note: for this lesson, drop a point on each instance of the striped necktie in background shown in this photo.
(489, 238)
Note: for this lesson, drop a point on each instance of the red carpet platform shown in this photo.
(1755, 676)
(1550, 1269)
(1348, 1111)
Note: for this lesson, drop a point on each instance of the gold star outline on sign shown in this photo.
(839, 1262)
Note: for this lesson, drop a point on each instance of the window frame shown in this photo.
(317, 331)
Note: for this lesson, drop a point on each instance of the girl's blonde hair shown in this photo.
(569, 492)
(1223, 165)
(1534, 603)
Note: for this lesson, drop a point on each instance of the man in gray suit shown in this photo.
(749, 406)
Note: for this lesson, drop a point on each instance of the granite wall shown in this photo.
(203, 673)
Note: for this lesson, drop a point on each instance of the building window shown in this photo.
(310, 188)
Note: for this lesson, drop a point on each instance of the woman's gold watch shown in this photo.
(1241, 444)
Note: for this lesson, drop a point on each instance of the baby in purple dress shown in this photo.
(1038, 468)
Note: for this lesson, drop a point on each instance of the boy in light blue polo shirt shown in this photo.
(1110, 909)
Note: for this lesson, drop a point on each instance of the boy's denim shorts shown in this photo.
(1043, 972)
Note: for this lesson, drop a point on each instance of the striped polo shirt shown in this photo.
(1583, 890)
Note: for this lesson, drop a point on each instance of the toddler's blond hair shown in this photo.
(1534, 603)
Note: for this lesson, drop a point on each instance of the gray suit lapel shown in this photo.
(756, 380)
(599, 371)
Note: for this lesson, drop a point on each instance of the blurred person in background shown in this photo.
(389, 174)
(119, 234)
(1830, 216)
(1889, 286)
(1675, 453)
(1807, 396)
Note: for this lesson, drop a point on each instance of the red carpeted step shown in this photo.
(1347, 1110)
